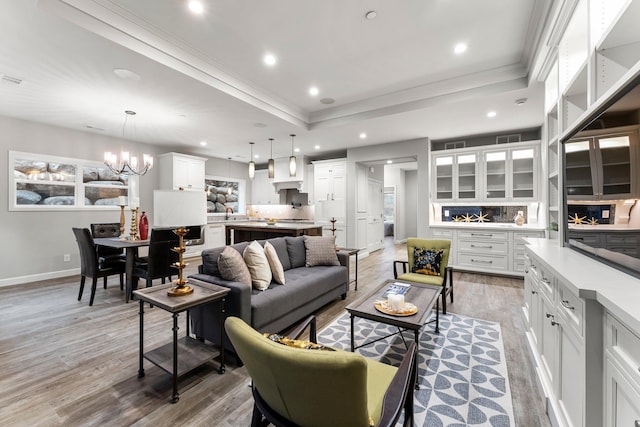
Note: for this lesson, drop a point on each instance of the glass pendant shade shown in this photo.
(292, 159)
(271, 166)
(252, 164)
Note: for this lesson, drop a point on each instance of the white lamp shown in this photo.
(179, 209)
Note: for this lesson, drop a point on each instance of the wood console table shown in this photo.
(193, 352)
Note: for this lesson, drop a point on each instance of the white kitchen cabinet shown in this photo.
(487, 173)
(262, 190)
(181, 171)
(214, 236)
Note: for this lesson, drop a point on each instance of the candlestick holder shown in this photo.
(121, 221)
(134, 224)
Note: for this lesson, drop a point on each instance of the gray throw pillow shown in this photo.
(320, 251)
(232, 267)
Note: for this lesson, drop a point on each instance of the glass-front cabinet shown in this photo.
(456, 177)
(511, 173)
(602, 167)
(523, 173)
(496, 175)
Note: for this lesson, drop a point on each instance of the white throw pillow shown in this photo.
(276, 266)
(258, 266)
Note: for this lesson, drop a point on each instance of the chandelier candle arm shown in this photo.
(128, 165)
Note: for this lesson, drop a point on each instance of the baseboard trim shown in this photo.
(38, 277)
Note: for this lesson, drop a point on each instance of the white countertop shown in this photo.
(491, 225)
(618, 292)
(601, 227)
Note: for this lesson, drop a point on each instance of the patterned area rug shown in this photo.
(462, 371)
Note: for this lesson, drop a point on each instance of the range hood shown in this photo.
(293, 197)
(282, 180)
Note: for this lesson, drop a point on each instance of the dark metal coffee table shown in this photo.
(424, 297)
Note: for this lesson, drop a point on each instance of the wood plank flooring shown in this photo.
(64, 363)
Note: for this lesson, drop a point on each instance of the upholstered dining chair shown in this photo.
(91, 266)
(109, 229)
(300, 387)
(157, 265)
(427, 263)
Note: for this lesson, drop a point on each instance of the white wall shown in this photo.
(394, 177)
(34, 243)
(411, 205)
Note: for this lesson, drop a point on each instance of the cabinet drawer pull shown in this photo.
(553, 319)
(565, 304)
(526, 270)
(481, 246)
(482, 261)
(534, 292)
(482, 234)
(545, 280)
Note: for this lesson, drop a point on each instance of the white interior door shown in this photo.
(375, 215)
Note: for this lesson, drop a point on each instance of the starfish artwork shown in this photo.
(576, 219)
(481, 218)
(593, 221)
(467, 218)
(457, 219)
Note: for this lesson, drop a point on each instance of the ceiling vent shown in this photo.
(506, 139)
(454, 144)
(9, 79)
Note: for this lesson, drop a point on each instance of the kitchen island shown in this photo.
(249, 231)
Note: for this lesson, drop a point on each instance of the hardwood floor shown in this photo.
(65, 363)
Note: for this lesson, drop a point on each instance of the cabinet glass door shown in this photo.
(615, 154)
(496, 163)
(579, 179)
(467, 176)
(522, 173)
(444, 178)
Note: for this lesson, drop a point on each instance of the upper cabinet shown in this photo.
(181, 171)
(262, 190)
(330, 185)
(508, 173)
(601, 166)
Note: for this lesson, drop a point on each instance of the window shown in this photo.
(42, 182)
(223, 193)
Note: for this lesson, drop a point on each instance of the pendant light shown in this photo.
(252, 164)
(271, 166)
(292, 159)
(229, 187)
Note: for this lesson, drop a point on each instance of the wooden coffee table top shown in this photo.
(422, 296)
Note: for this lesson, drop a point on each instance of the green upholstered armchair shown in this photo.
(442, 279)
(298, 387)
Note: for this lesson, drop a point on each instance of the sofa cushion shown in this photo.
(296, 250)
(427, 261)
(274, 262)
(258, 265)
(232, 267)
(303, 285)
(320, 251)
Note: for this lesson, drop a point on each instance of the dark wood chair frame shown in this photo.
(399, 395)
(448, 278)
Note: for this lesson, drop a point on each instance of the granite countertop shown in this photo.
(490, 225)
(296, 225)
(618, 292)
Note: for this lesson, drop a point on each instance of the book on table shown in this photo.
(397, 288)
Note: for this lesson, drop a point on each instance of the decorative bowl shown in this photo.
(271, 221)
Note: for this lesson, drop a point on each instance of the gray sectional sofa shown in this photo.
(306, 289)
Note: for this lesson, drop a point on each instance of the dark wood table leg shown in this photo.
(141, 368)
(352, 335)
(131, 260)
(175, 396)
(222, 334)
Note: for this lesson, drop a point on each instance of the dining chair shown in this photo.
(91, 266)
(427, 263)
(294, 386)
(158, 263)
(110, 229)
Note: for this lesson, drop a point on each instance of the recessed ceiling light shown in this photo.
(317, 147)
(327, 101)
(313, 91)
(196, 6)
(389, 162)
(521, 101)
(256, 156)
(491, 114)
(203, 143)
(125, 74)
(297, 150)
(460, 48)
(371, 15)
(363, 135)
(270, 60)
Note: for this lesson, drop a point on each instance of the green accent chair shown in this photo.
(299, 387)
(445, 277)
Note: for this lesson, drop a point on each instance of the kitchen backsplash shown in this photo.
(304, 212)
(500, 214)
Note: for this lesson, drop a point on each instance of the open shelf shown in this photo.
(624, 30)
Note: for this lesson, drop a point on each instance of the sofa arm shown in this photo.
(343, 257)
(238, 301)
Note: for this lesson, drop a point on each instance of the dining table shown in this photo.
(131, 250)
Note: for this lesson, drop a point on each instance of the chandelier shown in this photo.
(127, 164)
